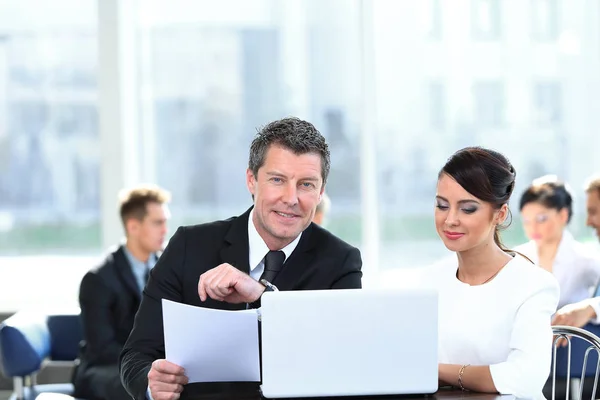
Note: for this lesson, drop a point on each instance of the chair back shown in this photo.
(24, 344)
(27, 339)
(578, 349)
(572, 335)
(66, 333)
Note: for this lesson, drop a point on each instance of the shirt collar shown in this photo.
(258, 247)
(138, 265)
(565, 247)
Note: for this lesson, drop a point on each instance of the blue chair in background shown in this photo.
(28, 340)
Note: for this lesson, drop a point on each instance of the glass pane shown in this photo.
(536, 102)
(215, 72)
(49, 143)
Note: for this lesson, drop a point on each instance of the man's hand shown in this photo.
(166, 380)
(576, 314)
(227, 283)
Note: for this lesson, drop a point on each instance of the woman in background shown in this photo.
(494, 305)
(546, 210)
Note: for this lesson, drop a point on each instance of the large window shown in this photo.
(217, 71)
(485, 82)
(544, 19)
(49, 144)
(204, 75)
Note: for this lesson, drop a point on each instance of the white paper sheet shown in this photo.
(212, 345)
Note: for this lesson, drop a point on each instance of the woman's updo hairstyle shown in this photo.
(485, 174)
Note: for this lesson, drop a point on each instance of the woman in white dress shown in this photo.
(494, 305)
(546, 210)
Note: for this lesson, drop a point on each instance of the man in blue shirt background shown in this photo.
(110, 294)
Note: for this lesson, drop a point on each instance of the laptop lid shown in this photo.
(349, 343)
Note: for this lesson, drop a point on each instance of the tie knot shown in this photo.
(274, 260)
(273, 264)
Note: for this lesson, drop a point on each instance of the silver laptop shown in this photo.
(349, 343)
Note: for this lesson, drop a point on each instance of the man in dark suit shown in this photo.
(110, 294)
(229, 264)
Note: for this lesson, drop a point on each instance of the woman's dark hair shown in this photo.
(550, 194)
(486, 174)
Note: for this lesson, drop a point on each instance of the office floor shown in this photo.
(54, 372)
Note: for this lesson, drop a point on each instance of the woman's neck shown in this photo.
(550, 246)
(547, 252)
(478, 265)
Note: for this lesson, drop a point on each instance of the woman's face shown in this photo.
(462, 220)
(543, 224)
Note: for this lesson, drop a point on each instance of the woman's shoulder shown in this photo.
(528, 248)
(529, 275)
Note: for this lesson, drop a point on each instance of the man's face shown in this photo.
(593, 210)
(149, 233)
(286, 192)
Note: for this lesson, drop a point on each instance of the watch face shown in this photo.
(269, 287)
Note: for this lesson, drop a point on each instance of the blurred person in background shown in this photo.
(592, 190)
(110, 294)
(546, 209)
(322, 210)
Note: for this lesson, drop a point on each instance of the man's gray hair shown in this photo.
(294, 134)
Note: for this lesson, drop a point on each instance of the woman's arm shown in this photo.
(474, 377)
(527, 366)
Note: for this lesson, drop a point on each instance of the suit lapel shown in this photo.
(298, 263)
(236, 248)
(236, 252)
(126, 274)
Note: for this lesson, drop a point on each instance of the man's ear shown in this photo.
(250, 181)
(132, 226)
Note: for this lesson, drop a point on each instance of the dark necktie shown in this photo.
(147, 273)
(273, 264)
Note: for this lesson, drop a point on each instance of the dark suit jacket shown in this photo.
(109, 297)
(320, 261)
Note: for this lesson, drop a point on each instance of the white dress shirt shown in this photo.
(258, 249)
(140, 268)
(576, 267)
(504, 323)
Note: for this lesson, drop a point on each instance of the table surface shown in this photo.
(443, 394)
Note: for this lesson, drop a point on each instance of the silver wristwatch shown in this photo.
(269, 286)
